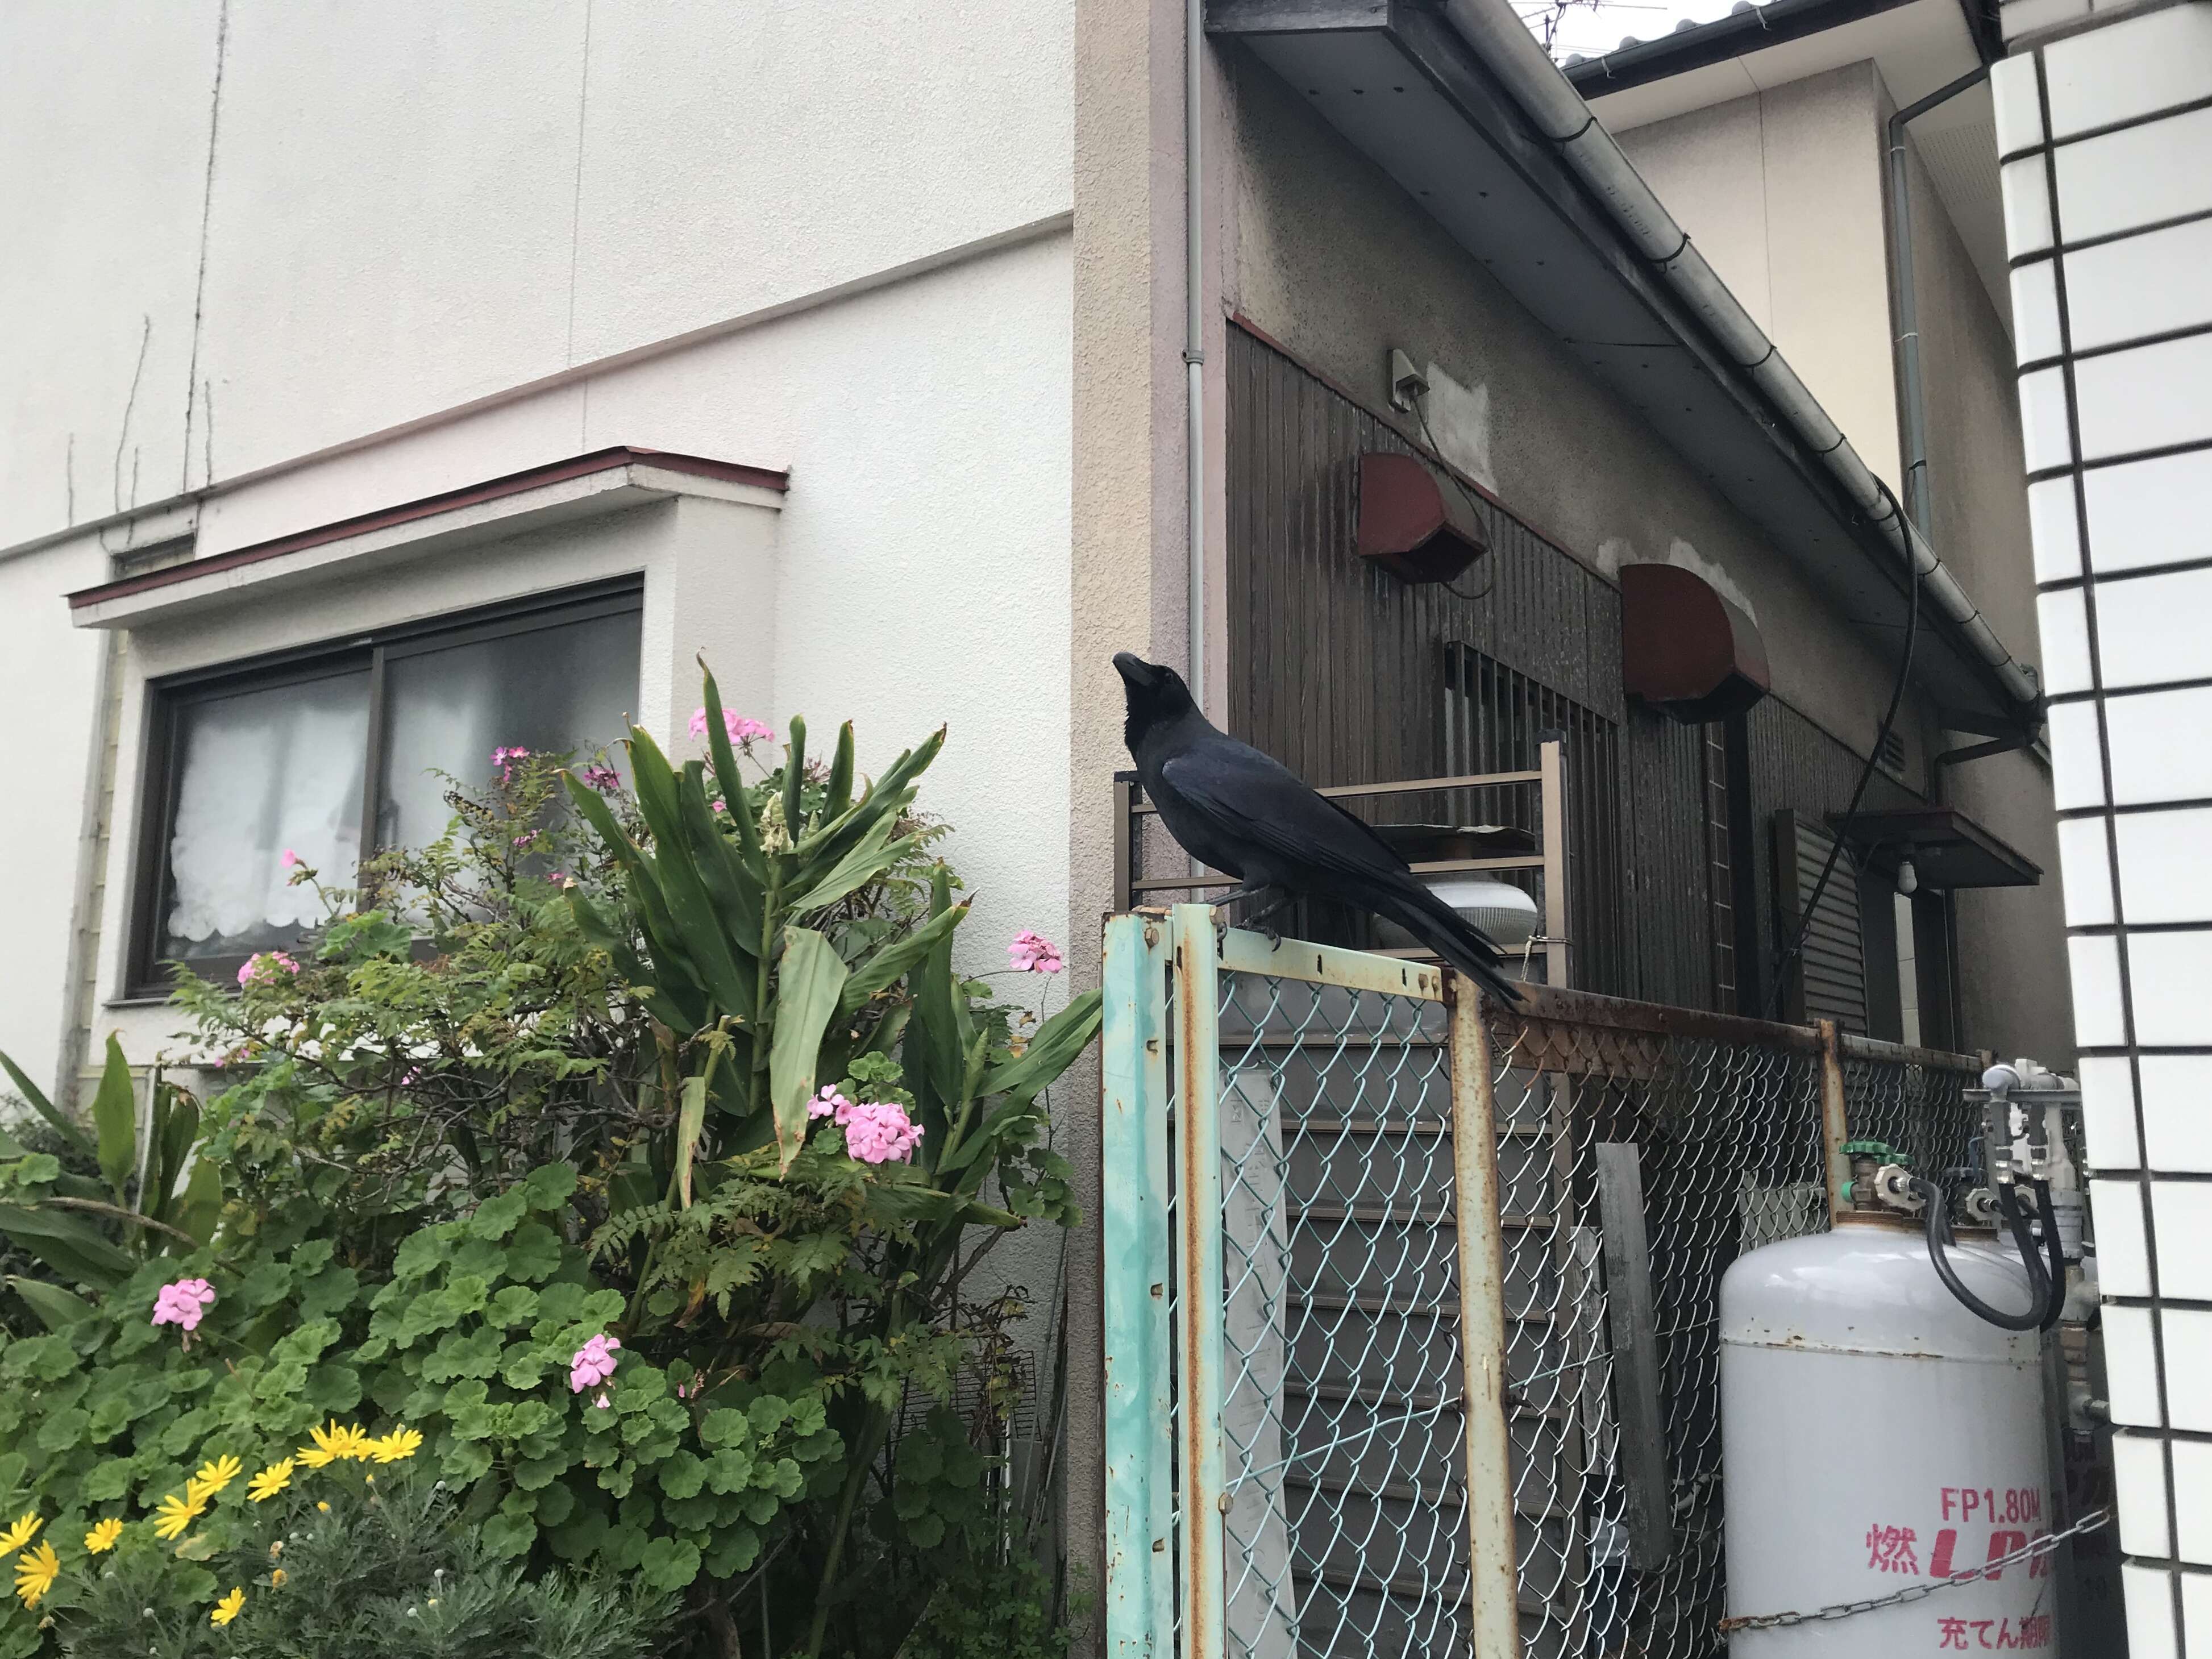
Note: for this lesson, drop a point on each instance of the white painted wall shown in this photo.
(48, 679)
(1782, 192)
(445, 244)
(413, 205)
(2123, 558)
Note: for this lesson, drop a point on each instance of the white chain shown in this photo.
(2042, 1545)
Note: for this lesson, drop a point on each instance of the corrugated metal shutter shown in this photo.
(1828, 981)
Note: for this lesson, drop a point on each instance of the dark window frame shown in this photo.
(160, 774)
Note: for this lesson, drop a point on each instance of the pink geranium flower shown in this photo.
(742, 730)
(183, 1303)
(505, 759)
(289, 859)
(1033, 953)
(601, 778)
(880, 1131)
(593, 1363)
(266, 966)
(875, 1131)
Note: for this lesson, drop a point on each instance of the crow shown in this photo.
(1231, 806)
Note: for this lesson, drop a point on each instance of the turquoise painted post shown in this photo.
(1140, 1588)
(1204, 1496)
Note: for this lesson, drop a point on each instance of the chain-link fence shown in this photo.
(1412, 1318)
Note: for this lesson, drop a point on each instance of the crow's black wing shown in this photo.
(1256, 800)
(1308, 840)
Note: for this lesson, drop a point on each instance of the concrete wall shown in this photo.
(2011, 988)
(395, 250)
(1786, 193)
(325, 222)
(1783, 193)
(1335, 262)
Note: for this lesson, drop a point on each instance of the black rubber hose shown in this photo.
(2055, 1252)
(1939, 1237)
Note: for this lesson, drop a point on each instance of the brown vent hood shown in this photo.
(1411, 525)
(1686, 646)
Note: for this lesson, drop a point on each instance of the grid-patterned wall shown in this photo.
(2106, 139)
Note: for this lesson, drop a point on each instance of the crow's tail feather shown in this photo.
(1445, 931)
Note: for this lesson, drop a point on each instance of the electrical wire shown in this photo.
(1866, 773)
(1466, 495)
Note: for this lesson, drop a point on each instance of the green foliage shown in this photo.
(85, 1211)
(582, 1111)
(993, 1610)
(390, 1570)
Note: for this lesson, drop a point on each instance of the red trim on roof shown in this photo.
(492, 489)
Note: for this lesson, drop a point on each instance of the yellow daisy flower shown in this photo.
(323, 1508)
(35, 1573)
(400, 1444)
(21, 1533)
(101, 1539)
(175, 1514)
(214, 1476)
(334, 1443)
(270, 1481)
(230, 1606)
(276, 1576)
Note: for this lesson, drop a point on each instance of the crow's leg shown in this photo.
(1256, 921)
(1243, 890)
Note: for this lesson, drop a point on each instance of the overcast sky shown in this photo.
(1592, 30)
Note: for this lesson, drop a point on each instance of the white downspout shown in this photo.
(1194, 347)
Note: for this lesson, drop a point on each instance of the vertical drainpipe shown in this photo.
(1908, 307)
(1194, 347)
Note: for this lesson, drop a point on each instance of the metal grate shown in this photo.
(1496, 719)
(1319, 1440)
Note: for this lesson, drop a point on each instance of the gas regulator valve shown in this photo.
(1881, 1178)
(1979, 1208)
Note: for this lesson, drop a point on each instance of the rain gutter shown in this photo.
(1553, 108)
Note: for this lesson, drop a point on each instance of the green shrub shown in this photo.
(345, 1568)
(584, 1111)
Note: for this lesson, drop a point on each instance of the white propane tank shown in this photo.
(1875, 1434)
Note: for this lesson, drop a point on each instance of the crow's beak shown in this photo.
(1135, 671)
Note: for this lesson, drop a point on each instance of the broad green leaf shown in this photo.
(888, 965)
(940, 1033)
(838, 797)
(734, 887)
(1049, 1052)
(732, 779)
(698, 926)
(180, 1127)
(872, 854)
(201, 1206)
(794, 775)
(690, 1121)
(675, 999)
(548, 1186)
(808, 982)
(888, 796)
(672, 971)
(56, 1308)
(73, 1248)
(35, 1097)
(115, 1116)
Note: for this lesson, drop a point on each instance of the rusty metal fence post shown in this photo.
(1139, 1577)
(1493, 1589)
(1835, 1124)
(1204, 1495)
